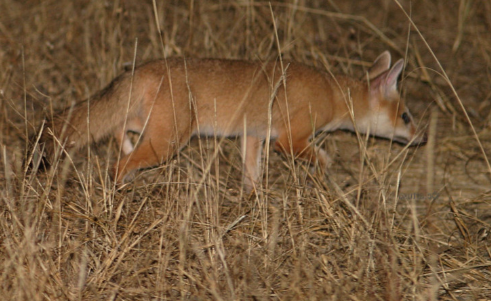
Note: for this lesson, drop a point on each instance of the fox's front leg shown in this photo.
(251, 161)
(302, 148)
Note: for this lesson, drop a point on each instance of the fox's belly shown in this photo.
(236, 130)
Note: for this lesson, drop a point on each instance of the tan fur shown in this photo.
(168, 101)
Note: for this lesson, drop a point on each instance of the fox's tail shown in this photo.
(88, 121)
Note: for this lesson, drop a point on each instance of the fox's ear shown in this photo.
(386, 82)
(391, 78)
(380, 65)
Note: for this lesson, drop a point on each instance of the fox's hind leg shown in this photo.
(159, 143)
(124, 142)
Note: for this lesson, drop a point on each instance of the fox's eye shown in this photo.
(406, 118)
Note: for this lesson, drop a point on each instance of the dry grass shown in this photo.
(386, 223)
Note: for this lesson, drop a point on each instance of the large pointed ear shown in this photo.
(380, 65)
(391, 79)
(386, 82)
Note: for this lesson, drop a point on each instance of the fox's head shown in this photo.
(387, 115)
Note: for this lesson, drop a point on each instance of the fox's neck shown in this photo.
(350, 100)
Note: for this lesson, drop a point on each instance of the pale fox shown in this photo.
(169, 101)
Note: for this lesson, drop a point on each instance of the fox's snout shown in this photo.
(419, 139)
(416, 139)
(406, 131)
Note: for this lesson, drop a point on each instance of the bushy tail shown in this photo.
(89, 120)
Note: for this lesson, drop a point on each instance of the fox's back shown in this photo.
(224, 95)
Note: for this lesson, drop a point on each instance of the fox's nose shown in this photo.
(422, 139)
(425, 138)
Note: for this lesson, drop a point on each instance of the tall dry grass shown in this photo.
(385, 223)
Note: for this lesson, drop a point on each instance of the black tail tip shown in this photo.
(37, 160)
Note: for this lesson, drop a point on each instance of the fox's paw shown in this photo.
(323, 159)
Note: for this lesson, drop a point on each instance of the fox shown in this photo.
(168, 101)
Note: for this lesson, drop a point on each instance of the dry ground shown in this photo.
(385, 223)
